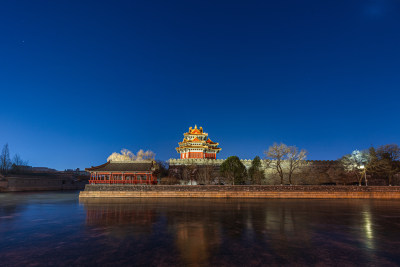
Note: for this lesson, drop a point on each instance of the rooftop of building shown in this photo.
(124, 166)
(195, 131)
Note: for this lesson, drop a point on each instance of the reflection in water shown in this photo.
(55, 229)
(11, 205)
(195, 242)
(201, 232)
(367, 225)
(120, 216)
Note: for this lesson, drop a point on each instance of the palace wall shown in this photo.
(313, 172)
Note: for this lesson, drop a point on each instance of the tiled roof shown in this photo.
(211, 142)
(122, 166)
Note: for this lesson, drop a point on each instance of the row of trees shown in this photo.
(285, 160)
(377, 163)
(193, 174)
(7, 165)
(289, 165)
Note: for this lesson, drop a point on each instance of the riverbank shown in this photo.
(240, 191)
(23, 183)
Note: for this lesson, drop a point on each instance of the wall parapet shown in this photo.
(247, 188)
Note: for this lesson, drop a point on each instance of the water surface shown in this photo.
(53, 228)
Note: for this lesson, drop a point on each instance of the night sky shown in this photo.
(80, 80)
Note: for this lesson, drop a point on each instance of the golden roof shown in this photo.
(195, 140)
(196, 130)
(211, 142)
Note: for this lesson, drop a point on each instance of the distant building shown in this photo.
(77, 171)
(124, 172)
(21, 168)
(197, 145)
(42, 169)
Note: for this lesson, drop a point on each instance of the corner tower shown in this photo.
(197, 145)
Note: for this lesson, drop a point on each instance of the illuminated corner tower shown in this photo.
(197, 145)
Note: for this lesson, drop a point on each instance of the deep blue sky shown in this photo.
(80, 80)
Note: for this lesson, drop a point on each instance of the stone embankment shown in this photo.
(39, 183)
(240, 191)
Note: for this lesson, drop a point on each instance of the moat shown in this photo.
(54, 228)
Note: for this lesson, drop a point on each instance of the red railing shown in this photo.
(123, 178)
(122, 181)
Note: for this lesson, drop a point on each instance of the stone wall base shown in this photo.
(237, 194)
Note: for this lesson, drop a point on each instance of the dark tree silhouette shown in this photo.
(233, 170)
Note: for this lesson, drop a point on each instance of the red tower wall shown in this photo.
(198, 155)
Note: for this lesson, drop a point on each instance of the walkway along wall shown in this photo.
(210, 191)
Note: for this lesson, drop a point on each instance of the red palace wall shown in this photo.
(198, 155)
(195, 155)
(211, 156)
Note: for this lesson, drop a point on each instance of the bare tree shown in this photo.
(185, 174)
(295, 159)
(142, 155)
(210, 172)
(149, 155)
(275, 155)
(338, 174)
(279, 155)
(18, 164)
(189, 173)
(17, 160)
(206, 173)
(163, 168)
(175, 171)
(193, 173)
(5, 162)
(127, 155)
